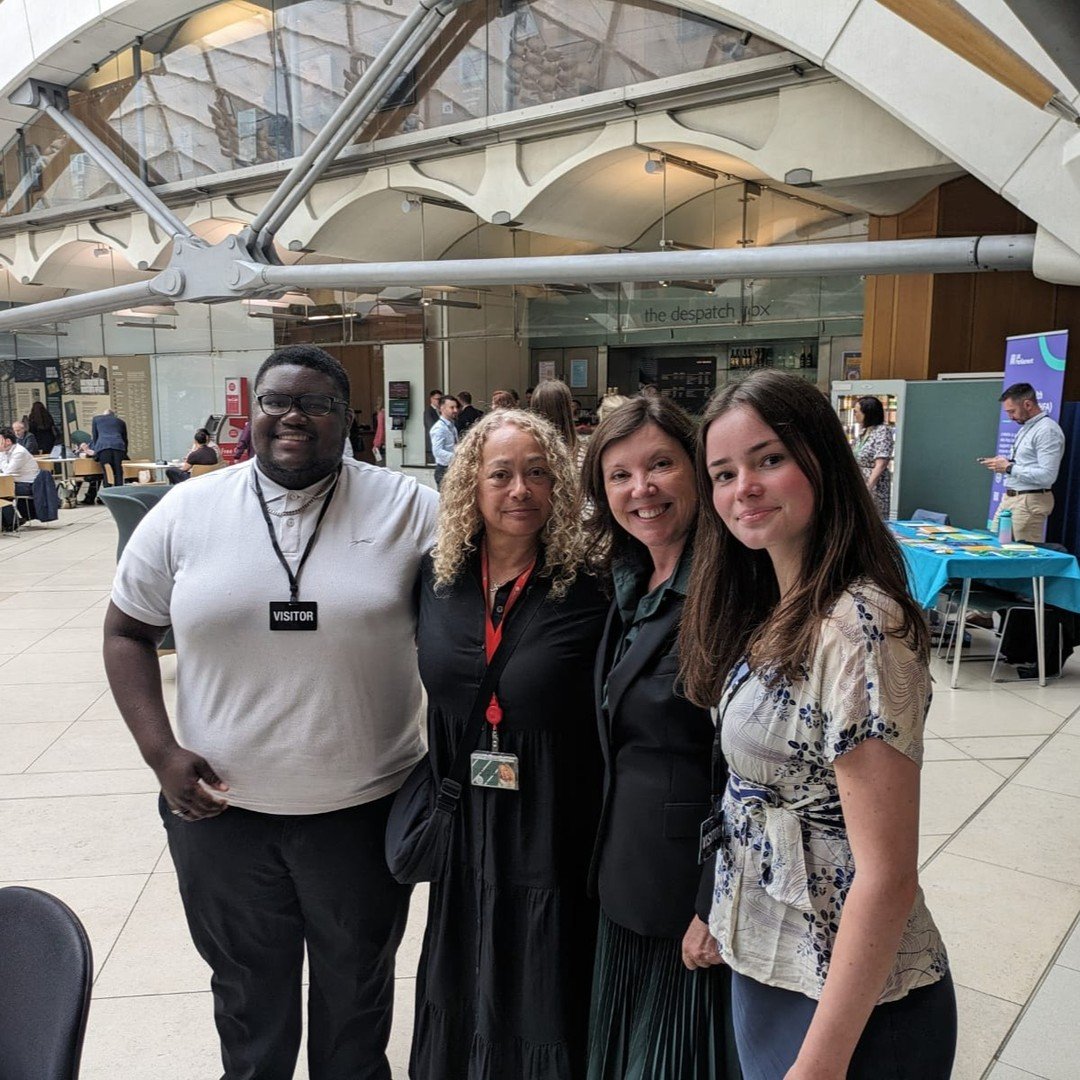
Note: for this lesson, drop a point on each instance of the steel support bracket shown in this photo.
(38, 94)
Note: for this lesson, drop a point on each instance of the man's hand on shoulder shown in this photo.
(180, 773)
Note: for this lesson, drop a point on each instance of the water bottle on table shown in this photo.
(1005, 527)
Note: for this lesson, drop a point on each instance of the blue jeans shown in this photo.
(910, 1039)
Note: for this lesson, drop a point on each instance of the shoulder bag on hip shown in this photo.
(422, 817)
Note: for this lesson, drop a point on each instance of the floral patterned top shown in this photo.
(877, 442)
(784, 865)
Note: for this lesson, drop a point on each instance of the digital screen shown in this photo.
(399, 407)
(398, 390)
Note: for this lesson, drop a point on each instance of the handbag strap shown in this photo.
(453, 783)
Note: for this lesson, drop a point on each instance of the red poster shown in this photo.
(236, 397)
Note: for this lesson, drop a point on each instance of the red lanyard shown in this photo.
(492, 633)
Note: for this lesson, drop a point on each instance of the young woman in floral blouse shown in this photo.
(798, 623)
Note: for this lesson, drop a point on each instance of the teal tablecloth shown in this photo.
(931, 567)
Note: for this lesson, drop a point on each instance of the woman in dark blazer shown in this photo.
(661, 998)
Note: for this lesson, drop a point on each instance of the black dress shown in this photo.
(502, 991)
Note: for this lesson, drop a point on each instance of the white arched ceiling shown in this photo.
(1029, 157)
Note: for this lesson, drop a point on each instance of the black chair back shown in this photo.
(46, 969)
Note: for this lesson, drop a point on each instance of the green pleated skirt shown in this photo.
(653, 1019)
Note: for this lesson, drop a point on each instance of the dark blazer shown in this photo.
(657, 752)
(108, 432)
(467, 417)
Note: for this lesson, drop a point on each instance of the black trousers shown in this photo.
(176, 476)
(111, 459)
(257, 888)
(27, 510)
(440, 472)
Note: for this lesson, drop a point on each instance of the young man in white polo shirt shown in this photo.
(288, 582)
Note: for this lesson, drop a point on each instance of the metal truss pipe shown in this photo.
(83, 304)
(118, 172)
(943, 256)
(393, 59)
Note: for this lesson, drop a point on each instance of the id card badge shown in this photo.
(294, 615)
(710, 836)
(491, 769)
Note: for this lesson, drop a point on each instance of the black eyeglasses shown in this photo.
(308, 404)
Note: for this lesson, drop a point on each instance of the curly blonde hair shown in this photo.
(460, 525)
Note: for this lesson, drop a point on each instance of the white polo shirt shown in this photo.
(296, 722)
(19, 463)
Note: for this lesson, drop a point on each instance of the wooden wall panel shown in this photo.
(950, 324)
(911, 326)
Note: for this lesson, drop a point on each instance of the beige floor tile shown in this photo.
(22, 744)
(401, 1034)
(27, 638)
(979, 713)
(983, 1022)
(5, 657)
(987, 747)
(951, 792)
(1070, 954)
(1056, 767)
(1072, 727)
(43, 785)
(942, 750)
(88, 745)
(79, 836)
(156, 928)
(930, 845)
(16, 581)
(33, 703)
(408, 955)
(1058, 696)
(69, 640)
(47, 667)
(1005, 766)
(1001, 1071)
(39, 619)
(102, 904)
(91, 619)
(1035, 832)
(50, 601)
(1047, 1041)
(104, 708)
(965, 898)
(165, 1037)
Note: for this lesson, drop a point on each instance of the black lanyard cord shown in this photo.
(294, 579)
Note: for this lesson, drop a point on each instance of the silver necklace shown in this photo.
(303, 506)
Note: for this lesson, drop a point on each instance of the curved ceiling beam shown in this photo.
(953, 26)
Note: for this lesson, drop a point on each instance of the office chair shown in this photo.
(46, 968)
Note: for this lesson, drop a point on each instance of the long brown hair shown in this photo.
(552, 400)
(608, 541)
(733, 607)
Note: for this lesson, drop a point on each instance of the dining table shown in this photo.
(937, 554)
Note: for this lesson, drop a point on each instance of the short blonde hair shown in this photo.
(461, 526)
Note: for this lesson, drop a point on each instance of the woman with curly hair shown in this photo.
(503, 983)
(799, 623)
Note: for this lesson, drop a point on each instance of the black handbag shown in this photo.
(421, 819)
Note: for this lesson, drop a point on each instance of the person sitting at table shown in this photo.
(17, 462)
(24, 437)
(199, 454)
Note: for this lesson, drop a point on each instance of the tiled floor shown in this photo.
(1000, 831)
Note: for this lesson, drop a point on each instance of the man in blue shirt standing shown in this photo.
(1032, 465)
(444, 437)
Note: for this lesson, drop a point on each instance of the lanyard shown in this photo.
(493, 634)
(1019, 437)
(294, 579)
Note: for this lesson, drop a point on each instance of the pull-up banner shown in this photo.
(1038, 359)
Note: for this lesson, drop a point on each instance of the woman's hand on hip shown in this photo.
(699, 947)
